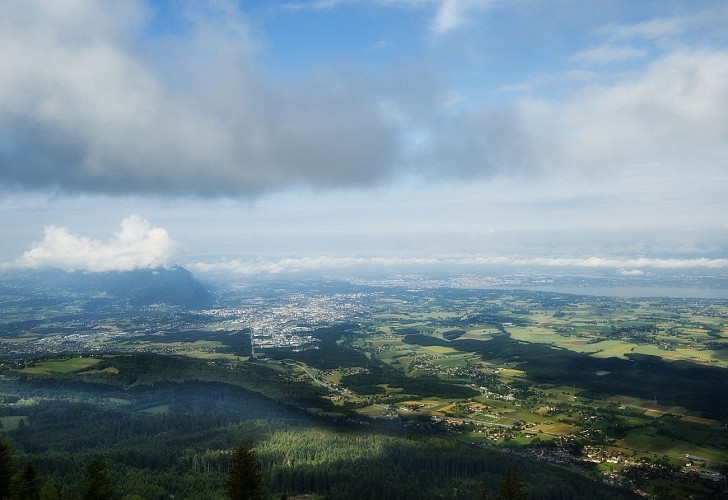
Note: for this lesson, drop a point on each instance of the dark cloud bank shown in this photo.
(122, 111)
(93, 100)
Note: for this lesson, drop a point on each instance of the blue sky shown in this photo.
(259, 135)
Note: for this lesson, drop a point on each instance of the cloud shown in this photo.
(665, 121)
(83, 109)
(91, 102)
(710, 21)
(489, 139)
(305, 264)
(608, 53)
(653, 29)
(673, 114)
(136, 246)
(331, 4)
(449, 15)
(632, 272)
(261, 266)
(452, 14)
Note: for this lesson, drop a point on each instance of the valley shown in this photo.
(627, 392)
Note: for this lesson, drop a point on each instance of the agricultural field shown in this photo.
(635, 381)
(633, 387)
(59, 365)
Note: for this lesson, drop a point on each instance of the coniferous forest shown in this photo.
(153, 427)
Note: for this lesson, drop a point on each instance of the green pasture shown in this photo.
(16, 340)
(509, 373)
(613, 349)
(60, 366)
(647, 440)
(198, 344)
(390, 355)
(519, 440)
(455, 361)
(535, 418)
(109, 369)
(156, 410)
(709, 422)
(119, 401)
(479, 334)
(535, 334)
(334, 377)
(439, 406)
(386, 329)
(210, 355)
(370, 411)
(11, 423)
(474, 437)
(436, 349)
(379, 341)
(486, 418)
(494, 404)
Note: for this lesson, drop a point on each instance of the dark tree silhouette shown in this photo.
(483, 493)
(98, 485)
(49, 491)
(26, 483)
(6, 467)
(511, 487)
(244, 480)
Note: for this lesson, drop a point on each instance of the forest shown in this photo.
(167, 425)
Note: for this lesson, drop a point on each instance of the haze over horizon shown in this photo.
(258, 137)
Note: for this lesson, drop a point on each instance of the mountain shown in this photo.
(172, 286)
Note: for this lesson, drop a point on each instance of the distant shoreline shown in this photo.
(635, 291)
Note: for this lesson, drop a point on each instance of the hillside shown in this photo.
(172, 286)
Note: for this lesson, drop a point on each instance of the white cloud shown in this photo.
(330, 4)
(136, 246)
(449, 14)
(84, 109)
(667, 31)
(652, 29)
(452, 14)
(601, 262)
(608, 53)
(332, 263)
(672, 115)
(305, 264)
(632, 272)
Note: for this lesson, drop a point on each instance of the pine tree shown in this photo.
(49, 491)
(98, 485)
(244, 481)
(483, 493)
(511, 487)
(6, 467)
(26, 483)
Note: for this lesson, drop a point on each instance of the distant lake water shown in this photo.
(609, 291)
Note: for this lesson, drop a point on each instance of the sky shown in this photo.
(261, 137)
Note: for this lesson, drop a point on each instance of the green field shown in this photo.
(645, 440)
(628, 378)
(60, 366)
(11, 423)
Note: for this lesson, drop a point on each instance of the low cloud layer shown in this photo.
(137, 245)
(626, 266)
(91, 101)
